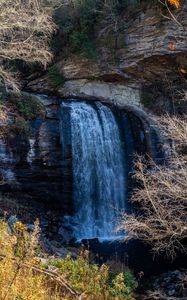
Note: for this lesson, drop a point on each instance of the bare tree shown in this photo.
(161, 197)
(25, 31)
(3, 119)
(112, 21)
(175, 128)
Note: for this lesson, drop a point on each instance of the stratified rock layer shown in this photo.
(153, 49)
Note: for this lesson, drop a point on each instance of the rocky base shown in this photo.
(171, 285)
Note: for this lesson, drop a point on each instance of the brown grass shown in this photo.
(25, 30)
(25, 276)
(20, 274)
(3, 119)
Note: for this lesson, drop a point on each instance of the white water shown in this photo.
(31, 152)
(99, 180)
(6, 159)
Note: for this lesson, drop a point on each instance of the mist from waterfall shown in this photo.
(98, 166)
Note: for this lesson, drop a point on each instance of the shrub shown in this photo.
(77, 21)
(25, 31)
(94, 281)
(21, 126)
(17, 258)
(161, 196)
(55, 77)
(146, 98)
(82, 44)
(27, 106)
(23, 276)
(123, 284)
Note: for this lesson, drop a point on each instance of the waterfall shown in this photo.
(6, 160)
(98, 166)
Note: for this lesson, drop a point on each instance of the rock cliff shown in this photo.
(151, 51)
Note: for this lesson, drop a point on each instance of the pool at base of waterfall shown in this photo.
(101, 145)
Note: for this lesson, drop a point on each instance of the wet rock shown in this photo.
(12, 221)
(91, 243)
(171, 284)
(171, 292)
(30, 227)
(65, 233)
(44, 99)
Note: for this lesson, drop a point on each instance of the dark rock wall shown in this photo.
(35, 168)
(41, 163)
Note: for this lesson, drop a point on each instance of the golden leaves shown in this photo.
(176, 3)
(182, 71)
(172, 46)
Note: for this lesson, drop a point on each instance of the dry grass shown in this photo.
(3, 119)
(20, 275)
(24, 276)
(3, 115)
(25, 30)
(175, 128)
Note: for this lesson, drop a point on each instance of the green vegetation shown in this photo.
(27, 106)
(82, 25)
(81, 274)
(55, 77)
(77, 22)
(23, 276)
(21, 126)
(85, 23)
(20, 109)
(146, 98)
(96, 282)
(82, 44)
(17, 260)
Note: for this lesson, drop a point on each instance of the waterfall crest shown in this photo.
(98, 167)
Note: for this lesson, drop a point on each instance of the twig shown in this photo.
(52, 274)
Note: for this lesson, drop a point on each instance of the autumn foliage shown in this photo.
(176, 3)
(26, 273)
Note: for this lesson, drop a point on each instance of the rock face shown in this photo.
(107, 92)
(153, 46)
(156, 46)
(33, 166)
(112, 93)
(171, 285)
(152, 50)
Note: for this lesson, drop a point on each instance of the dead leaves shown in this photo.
(176, 3)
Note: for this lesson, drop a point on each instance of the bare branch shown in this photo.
(25, 31)
(161, 197)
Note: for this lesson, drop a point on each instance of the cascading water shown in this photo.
(6, 159)
(98, 166)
